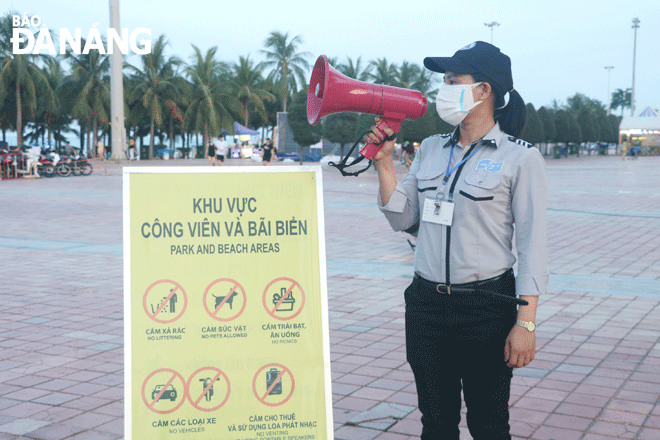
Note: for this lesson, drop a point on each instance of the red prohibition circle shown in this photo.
(195, 403)
(272, 312)
(213, 314)
(262, 399)
(174, 376)
(177, 287)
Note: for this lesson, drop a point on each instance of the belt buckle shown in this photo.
(446, 286)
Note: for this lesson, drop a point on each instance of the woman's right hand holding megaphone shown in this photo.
(379, 133)
(383, 159)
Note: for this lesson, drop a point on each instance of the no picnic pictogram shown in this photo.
(222, 305)
(208, 386)
(270, 386)
(283, 298)
(162, 389)
(161, 301)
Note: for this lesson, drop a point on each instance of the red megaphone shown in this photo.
(331, 92)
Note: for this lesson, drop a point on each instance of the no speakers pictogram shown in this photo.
(273, 385)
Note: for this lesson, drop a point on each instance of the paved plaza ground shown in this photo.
(596, 375)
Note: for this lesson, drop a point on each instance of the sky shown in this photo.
(557, 47)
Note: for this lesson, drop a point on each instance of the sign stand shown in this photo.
(226, 304)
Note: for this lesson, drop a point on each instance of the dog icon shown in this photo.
(219, 299)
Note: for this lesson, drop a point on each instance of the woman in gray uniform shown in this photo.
(467, 190)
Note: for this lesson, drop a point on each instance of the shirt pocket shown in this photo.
(481, 186)
(429, 176)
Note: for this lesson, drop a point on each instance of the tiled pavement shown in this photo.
(596, 374)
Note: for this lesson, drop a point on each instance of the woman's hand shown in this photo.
(376, 136)
(520, 347)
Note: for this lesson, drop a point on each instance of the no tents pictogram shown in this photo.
(161, 301)
(222, 307)
(269, 386)
(207, 386)
(284, 298)
(161, 389)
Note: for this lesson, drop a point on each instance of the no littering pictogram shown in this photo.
(222, 307)
(208, 386)
(161, 389)
(161, 301)
(269, 386)
(284, 298)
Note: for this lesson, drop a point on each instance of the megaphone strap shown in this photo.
(343, 165)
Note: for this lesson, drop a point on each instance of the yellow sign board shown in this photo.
(226, 318)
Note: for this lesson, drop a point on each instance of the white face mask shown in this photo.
(454, 102)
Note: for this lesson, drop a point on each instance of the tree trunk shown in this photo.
(95, 135)
(151, 139)
(82, 139)
(205, 140)
(50, 133)
(245, 112)
(19, 116)
(172, 136)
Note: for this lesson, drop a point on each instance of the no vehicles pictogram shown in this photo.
(161, 301)
(222, 307)
(208, 386)
(161, 389)
(269, 386)
(283, 298)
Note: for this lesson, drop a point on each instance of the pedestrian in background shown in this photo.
(211, 152)
(100, 149)
(268, 152)
(221, 150)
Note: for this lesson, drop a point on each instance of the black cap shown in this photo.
(478, 57)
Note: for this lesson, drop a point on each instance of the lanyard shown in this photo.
(449, 172)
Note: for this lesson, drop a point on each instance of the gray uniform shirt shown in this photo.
(503, 184)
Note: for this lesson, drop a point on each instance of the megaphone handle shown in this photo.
(370, 150)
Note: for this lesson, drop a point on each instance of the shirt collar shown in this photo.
(490, 139)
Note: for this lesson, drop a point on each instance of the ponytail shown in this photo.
(512, 116)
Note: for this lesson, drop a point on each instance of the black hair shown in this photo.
(512, 116)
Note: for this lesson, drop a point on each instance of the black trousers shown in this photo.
(456, 342)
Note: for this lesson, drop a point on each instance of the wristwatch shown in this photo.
(527, 324)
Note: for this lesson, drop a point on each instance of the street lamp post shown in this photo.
(632, 99)
(609, 96)
(491, 26)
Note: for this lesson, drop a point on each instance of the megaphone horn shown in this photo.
(331, 92)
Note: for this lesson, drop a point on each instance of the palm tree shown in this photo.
(88, 90)
(287, 62)
(385, 73)
(20, 75)
(412, 76)
(355, 70)
(211, 106)
(621, 98)
(158, 86)
(249, 87)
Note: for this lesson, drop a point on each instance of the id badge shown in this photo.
(438, 211)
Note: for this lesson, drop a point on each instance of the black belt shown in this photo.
(482, 286)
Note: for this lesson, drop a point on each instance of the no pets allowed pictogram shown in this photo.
(226, 301)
